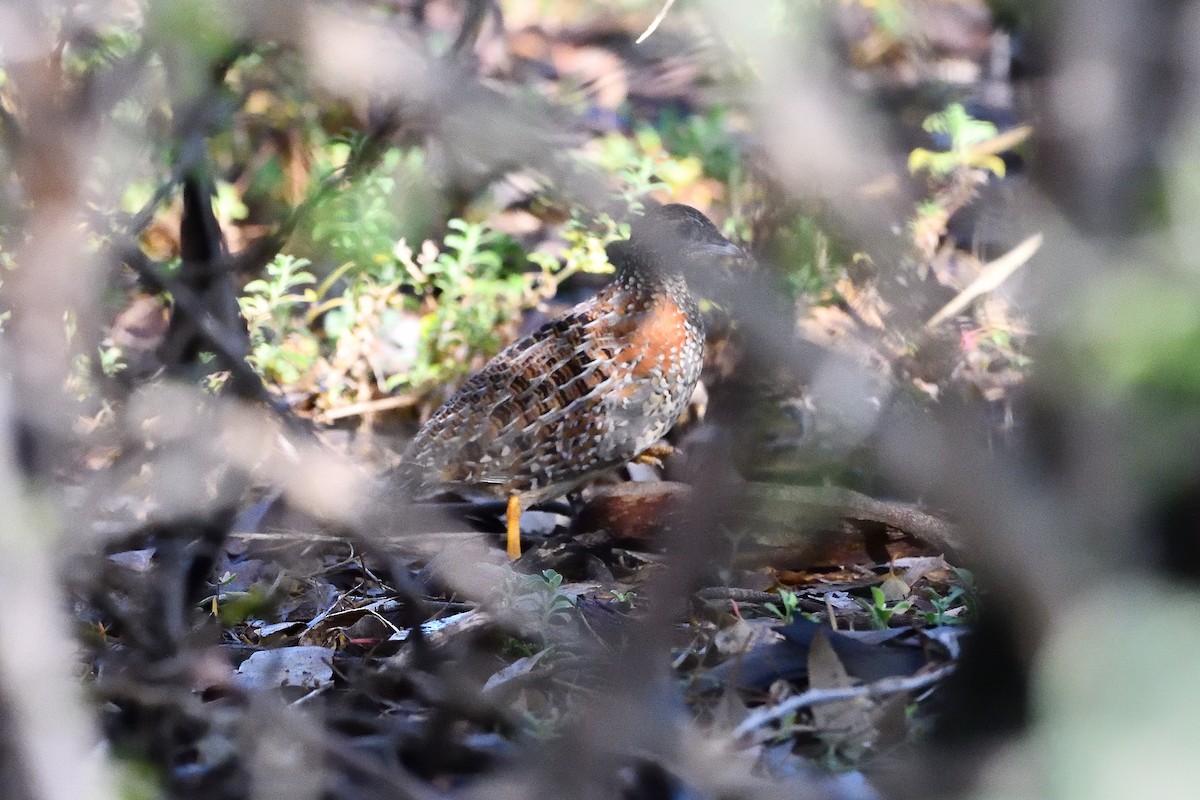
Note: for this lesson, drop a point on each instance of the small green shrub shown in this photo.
(965, 133)
(789, 603)
(281, 347)
(879, 610)
(360, 221)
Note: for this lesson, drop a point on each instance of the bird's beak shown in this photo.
(723, 250)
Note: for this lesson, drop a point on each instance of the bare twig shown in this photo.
(990, 277)
(370, 407)
(1002, 141)
(880, 688)
(662, 14)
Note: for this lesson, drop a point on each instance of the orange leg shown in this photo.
(655, 454)
(513, 517)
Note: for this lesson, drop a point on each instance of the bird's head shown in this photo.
(673, 238)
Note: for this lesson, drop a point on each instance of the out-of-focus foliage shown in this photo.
(812, 260)
(1139, 334)
(585, 247)
(362, 223)
(708, 137)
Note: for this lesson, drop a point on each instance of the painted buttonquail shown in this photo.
(586, 392)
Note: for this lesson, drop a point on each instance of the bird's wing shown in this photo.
(533, 415)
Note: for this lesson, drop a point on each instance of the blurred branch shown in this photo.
(477, 11)
(223, 343)
(44, 714)
(204, 270)
(786, 503)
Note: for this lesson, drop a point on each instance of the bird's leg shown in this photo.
(513, 517)
(656, 454)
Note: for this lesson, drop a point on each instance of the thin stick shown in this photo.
(1002, 141)
(991, 276)
(657, 21)
(881, 688)
(370, 407)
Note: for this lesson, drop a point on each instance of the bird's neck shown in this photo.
(649, 286)
(647, 280)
